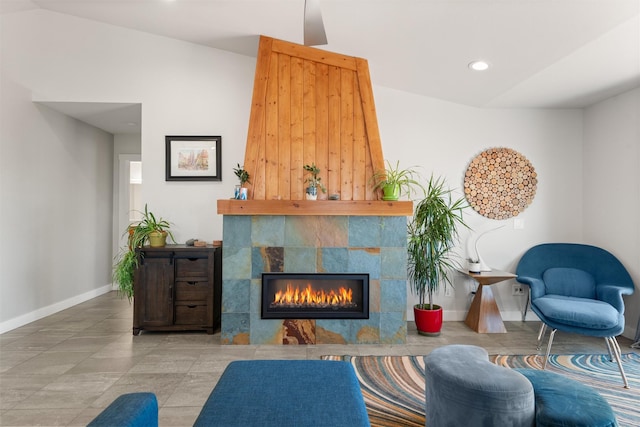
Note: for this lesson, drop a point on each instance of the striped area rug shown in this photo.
(393, 386)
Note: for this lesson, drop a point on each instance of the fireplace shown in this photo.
(315, 296)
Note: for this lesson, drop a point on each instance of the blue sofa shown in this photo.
(129, 410)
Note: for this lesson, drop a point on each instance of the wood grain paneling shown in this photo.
(311, 106)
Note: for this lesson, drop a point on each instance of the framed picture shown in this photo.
(193, 158)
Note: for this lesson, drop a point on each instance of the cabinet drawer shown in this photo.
(192, 267)
(192, 290)
(191, 314)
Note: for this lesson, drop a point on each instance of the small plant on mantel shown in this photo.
(394, 181)
(314, 181)
(243, 176)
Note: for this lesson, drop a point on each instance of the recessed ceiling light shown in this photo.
(479, 65)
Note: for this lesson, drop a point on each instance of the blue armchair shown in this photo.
(577, 288)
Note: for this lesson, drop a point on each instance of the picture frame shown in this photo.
(193, 158)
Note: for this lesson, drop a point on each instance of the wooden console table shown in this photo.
(484, 316)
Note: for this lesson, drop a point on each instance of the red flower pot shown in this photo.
(428, 322)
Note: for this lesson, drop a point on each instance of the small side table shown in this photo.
(484, 316)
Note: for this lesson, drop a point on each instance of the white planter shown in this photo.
(474, 267)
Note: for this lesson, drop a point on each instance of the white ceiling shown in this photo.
(544, 53)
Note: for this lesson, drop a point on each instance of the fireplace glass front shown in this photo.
(315, 296)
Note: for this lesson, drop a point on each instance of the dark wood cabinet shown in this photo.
(177, 288)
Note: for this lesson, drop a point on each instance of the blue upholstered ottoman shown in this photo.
(463, 388)
(285, 393)
(562, 402)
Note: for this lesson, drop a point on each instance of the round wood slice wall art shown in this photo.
(500, 183)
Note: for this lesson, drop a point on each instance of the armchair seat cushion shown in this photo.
(578, 312)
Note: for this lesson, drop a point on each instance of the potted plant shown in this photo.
(243, 176)
(394, 181)
(314, 182)
(432, 234)
(150, 229)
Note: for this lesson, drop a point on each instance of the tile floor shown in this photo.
(64, 369)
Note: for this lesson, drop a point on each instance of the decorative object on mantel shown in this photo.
(241, 191)
(432, 234)
(314, 182)
(193, 158)
(500, 183)
(149, 229)
(394, 181)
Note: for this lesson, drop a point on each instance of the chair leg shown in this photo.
(543, 329)
(614, 348)
(526, 304)
(546, 357)
(611, 356)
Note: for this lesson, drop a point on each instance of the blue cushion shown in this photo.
(578, 312)
(129, 410)
(571, 282)
(463, 388)
(282, 393)
(563, 402)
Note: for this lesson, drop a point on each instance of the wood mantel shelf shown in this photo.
(315, 207)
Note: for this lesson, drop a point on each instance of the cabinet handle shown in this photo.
(193, 259)
(192, 283)
(192, 306)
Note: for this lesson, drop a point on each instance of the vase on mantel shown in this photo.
(312, 193)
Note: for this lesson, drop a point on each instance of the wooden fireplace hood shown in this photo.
(311, 106)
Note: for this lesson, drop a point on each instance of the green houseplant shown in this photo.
(432, 234)
(151, 229)
(314, 182)
(243, 176)
(394, 181)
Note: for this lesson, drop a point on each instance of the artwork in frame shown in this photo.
(193, 158)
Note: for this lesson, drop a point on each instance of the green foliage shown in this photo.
(433, 233)
(137, 236)
(149, 224)
(314, 180)
(242, 174)
(123, 272)
(405, 179)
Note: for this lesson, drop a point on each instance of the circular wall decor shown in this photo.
(500, 183)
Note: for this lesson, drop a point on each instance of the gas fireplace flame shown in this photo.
(307, 296)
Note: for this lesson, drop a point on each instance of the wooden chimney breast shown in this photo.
(311, 106)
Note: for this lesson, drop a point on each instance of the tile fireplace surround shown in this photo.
(254, 244)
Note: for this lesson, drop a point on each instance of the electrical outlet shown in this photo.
(448, 292)
(517, 289)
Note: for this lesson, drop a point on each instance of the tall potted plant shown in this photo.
(432, 234)
(394, 182)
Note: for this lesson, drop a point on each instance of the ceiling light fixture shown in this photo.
(479, 65)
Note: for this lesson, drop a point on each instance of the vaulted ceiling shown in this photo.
(543, 53)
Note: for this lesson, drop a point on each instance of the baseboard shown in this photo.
(507, 316)
(38, 314)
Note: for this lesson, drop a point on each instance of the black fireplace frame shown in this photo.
(306, 313)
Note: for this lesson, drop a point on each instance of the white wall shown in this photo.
(55, 170)
(186, 89)
(442, 138)
(55, 212)
(612, 186)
